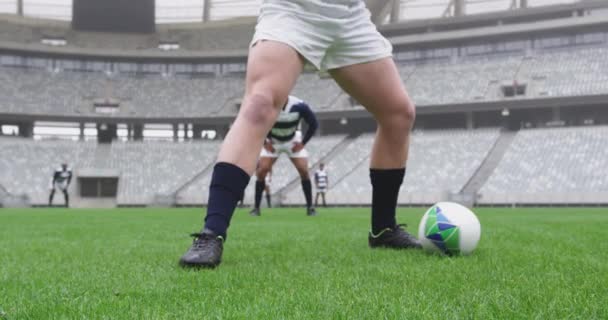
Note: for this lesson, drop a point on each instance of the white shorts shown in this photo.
(285, 147)
(60, 185)
(327, 34)
(322, 189)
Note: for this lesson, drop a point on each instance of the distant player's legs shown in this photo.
(264, 166)
(378, 87)
(51, 196)
(301, 165)
(323, 196)
(317, 199)
(272, 71)
(66, 196)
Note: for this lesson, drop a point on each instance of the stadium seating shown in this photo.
(38, 91)
(29, 168)
(567, 72)
(557, 165)
(338, 167)
(468, 79)
(463, 80)
(146, 169)
(283, 173)
(440, 162)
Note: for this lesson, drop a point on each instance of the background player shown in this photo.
(284, 137)
(321, 184)
(333, 35)
(61, 180)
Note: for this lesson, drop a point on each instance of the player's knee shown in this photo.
(401, 118)
(405, 115)
(259, 108)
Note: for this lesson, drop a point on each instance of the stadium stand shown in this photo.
(440, 162)
(74, 93)
(339, 166)
(148, 169)
(29, 168)
(283, 173)
(464, 80)
(557, 165)
(567, 72)
(582, 71)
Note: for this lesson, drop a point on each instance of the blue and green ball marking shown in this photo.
(443, 234)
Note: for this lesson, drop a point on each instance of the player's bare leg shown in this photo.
(301, 165)
(378, 87)
(264, 166)
(272, 71)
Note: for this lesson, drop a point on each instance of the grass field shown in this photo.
(122, 264)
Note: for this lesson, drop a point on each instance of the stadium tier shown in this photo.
(29, 168)
(38, 91)
(556, 165)
(560, 165)
(283, 173)
(563, 165)
(440, 163)
(144, 169)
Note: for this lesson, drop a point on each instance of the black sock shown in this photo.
(385, 192)
(268, 200)
(307, 188)
(67, 199)
(228, 183)
(51, 197)
(259, 189)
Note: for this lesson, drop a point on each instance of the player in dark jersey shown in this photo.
(336, 36)
(321, 184)
(284, 137)
(62, 177)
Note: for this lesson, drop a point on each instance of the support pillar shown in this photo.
(469, 120)
(206, 10)
(523, 4)
(138, 132)
(81, 133)
(459, 8)
(396, 11)
(20, 8)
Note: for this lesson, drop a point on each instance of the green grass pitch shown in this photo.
(122, 264)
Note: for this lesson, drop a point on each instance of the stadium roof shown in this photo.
(170, 11)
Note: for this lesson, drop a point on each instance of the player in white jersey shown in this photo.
(62, 177)
(321, 184)
(337, 36)
(284, 137)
